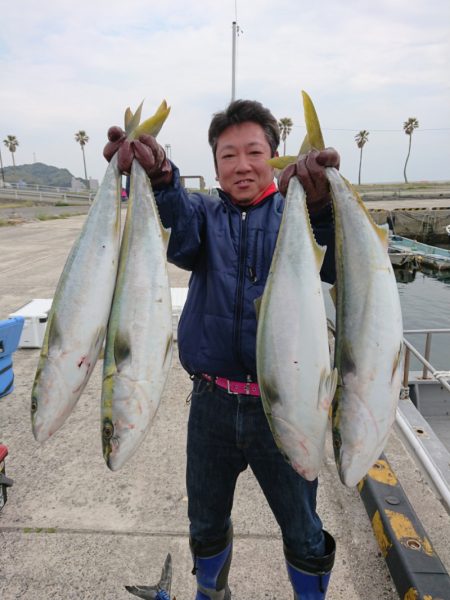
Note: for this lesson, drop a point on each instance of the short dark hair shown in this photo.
(242, 111)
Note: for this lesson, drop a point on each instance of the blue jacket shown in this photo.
(229, 251)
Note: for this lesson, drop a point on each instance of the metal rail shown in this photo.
(45, 195)
(442, 376)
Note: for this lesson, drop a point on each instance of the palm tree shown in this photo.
(11, 142)
(82, 138)
(285, 124)
(408, 127)
(1, 168)
(361, 139)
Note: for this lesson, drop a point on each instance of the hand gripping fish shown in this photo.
(293, 360)
(79, 314)
(139, 339)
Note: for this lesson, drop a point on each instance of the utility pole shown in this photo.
(233, 62)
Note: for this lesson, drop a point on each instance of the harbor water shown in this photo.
(425, 300)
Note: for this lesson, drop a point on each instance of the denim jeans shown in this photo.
(226, 433)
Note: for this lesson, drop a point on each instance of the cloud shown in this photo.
(370, 66)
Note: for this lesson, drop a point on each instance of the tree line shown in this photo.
(285, 124)
(11, 142)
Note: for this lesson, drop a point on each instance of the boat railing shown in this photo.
(428, 371)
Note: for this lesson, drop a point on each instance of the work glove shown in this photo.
(310, 170)
(146, 150)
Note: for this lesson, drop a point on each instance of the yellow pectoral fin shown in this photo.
(327, 389)
(306, 146)
(134, 121)
(280, 162)
(152, 125)
(127, 118)
(315, 137)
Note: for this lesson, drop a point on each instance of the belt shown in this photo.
(234, 387)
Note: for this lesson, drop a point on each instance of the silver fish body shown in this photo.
(293, 360)
(79, 314)
(139, 339)
(369, 335)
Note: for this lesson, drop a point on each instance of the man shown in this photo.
(227, 243)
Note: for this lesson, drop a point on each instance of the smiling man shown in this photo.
(227, 243)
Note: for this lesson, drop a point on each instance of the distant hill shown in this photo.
(40, 174)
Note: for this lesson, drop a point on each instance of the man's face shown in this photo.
(241, 156)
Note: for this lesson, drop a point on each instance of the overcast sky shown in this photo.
(66, 66)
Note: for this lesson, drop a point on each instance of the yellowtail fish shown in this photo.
(369, 335)
(139, 340)
(293, 359)
(79, 314)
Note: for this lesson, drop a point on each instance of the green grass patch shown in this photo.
(16, 204)
(43, 217)
(39, 530)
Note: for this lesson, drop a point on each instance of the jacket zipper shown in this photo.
(240, 286)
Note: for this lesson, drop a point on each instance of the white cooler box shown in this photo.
(36, 312)
(35, 315)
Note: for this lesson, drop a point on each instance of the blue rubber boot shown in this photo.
(310, 577)
(211, 567)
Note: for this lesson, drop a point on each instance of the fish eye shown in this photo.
(108, 431)
(34, 405)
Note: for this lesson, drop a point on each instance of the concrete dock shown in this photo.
(72, 529)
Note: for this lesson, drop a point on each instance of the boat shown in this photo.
(404, 250)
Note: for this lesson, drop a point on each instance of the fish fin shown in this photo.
(134, 121)
(313, 129)
(327, 389)
(152, 125)
(333, 294)
(127, 118)
(165, 236)
(383, 233)
(280, 162)
(166, 574)
(143, 591)
(319, 255)
(306, 146)
(257, 303)
(150, 592)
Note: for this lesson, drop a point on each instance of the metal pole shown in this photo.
(233, 63)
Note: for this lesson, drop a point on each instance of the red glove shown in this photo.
(145, 150)
(310, 169)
